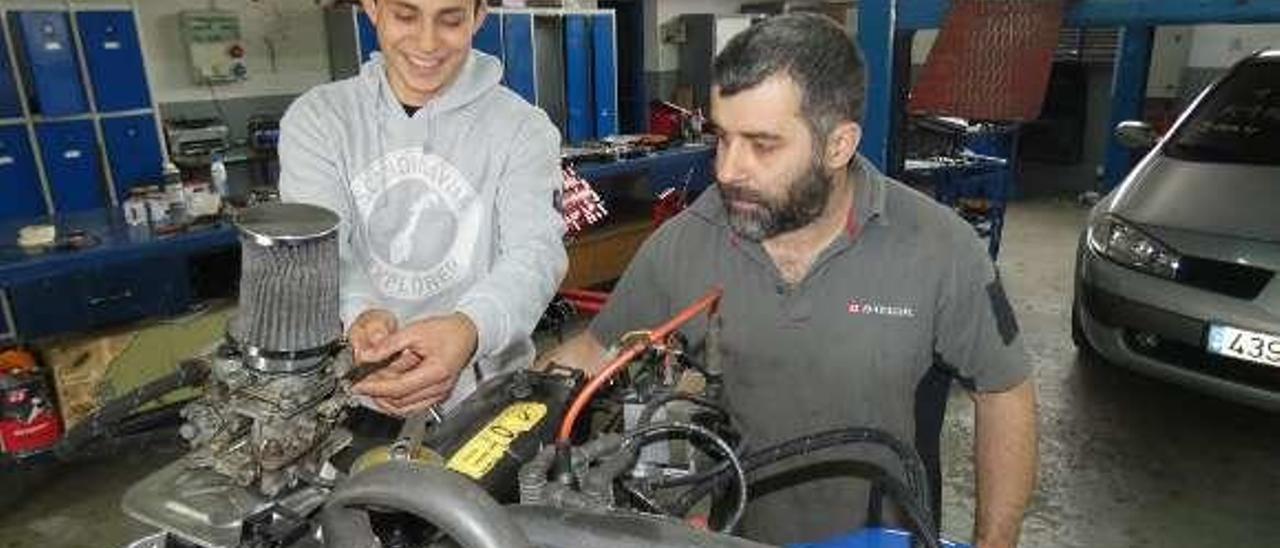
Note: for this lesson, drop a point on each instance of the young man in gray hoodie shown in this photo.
(445, 182)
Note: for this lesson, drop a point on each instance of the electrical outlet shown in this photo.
(214, 48)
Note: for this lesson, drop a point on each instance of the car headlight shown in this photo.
(1123, 243)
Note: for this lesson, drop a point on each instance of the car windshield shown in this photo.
(1240, 120)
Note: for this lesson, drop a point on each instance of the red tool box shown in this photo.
(28, 419)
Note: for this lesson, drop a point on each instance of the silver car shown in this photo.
(1175, 272)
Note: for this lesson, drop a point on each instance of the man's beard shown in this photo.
(804, 202)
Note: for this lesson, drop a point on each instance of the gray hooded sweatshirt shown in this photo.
(451, 209)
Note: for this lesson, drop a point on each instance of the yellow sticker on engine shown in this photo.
(483, 451)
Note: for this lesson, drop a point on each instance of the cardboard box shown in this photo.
(602, 254)
(91, 369)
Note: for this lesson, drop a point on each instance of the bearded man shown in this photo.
(849, 299)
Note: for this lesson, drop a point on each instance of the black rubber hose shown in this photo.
(153, 429)
(114, 412)
(913, 467)
(635, 439)
(646, 416)
(457, 506)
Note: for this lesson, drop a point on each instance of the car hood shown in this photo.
(1241, 201)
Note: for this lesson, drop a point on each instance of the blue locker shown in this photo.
(604, 70)
(20, 192)
(489, 38)
(114, 56)
(517, 49)
(70, 154)
(51, 67)
(133, 151)
(367, 35)
(580, 123)
(10, 101)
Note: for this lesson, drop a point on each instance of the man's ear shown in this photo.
(842, 145)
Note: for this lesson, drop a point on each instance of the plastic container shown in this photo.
(135, 208)
(157, 205)
(218, 174)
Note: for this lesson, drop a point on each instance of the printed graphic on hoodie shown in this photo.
(422, 222)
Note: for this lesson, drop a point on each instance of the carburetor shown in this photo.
(272, 405)
(269, 420)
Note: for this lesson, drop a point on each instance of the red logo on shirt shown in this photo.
(867, 308)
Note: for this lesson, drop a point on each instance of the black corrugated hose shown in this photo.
(913, 495)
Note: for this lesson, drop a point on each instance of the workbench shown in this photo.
(977, 187)
(674, 167)
(131, 273)
(602, 253)
(124, 273)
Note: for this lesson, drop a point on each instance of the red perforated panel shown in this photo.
(991, 60)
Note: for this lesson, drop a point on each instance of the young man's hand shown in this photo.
(369, 329)
(427, 357)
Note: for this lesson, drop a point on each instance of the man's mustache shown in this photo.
(741, 194)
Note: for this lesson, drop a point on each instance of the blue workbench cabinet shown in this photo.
(147, 287)
(133, 151)
(69, 152)
(47, 56)
(50, 304)
(114, 58)
(20, 192)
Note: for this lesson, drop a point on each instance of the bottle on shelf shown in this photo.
(218, 174)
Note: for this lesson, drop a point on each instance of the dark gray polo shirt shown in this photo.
(907, 286)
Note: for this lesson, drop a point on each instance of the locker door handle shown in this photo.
(99, 301)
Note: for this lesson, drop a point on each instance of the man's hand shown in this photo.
(369, 329)
(427, 355)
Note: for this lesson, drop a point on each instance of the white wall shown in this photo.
(295, 27)
(1220, 46)
(666, 57)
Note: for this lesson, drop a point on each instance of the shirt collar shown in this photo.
(869, 194)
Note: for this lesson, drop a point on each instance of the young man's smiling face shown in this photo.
(425, 43)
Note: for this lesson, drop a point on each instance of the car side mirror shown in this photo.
(1136, 134)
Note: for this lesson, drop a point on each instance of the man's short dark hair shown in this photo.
(814, 52)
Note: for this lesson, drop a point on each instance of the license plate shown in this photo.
(1243, 344)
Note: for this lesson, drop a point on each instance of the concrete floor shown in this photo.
(1126, 461)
